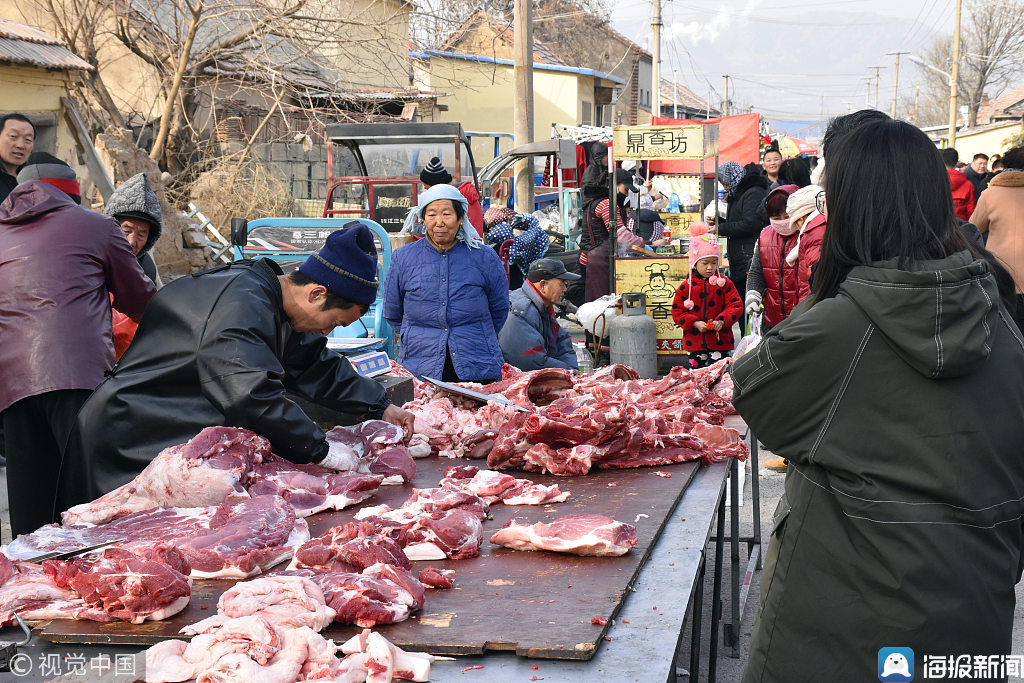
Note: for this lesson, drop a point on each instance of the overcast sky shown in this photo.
(794, 59)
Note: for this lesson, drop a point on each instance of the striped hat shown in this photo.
(435, 174)
(51, 170)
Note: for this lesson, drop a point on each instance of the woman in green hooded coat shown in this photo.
(896, 392)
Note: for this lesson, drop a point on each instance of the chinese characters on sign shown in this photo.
(658, 142)
(679, 223)
(658, 280)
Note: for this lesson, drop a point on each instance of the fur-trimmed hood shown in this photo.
(1008, 178)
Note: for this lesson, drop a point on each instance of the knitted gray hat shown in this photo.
(135, 198)
(53, 171)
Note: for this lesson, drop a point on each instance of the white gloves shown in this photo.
(753, 302)
(341, 457)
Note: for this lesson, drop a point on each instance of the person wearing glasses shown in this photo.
(895, 391)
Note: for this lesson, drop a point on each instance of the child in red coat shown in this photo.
(706, 305)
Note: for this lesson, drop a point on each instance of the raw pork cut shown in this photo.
(576, 534)
(148, 526)
(532, 388)
(525, 492)
(284, 601)
(454, 533)
(310, 488)
(437, 578)
(375, 447)
(380, 594)
(227, 541)
(150, 582)
(250, 650)
(250, 638)
(494, 486)
(385, 660)
(349, 547)
(207, 470)
(483, 483)
(28, 591)
(454, 430)
(245, 539)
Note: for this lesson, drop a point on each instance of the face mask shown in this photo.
(782, 226)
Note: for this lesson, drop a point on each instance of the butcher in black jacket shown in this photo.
(744, 218)
(221, 347)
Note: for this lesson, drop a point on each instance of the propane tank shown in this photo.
(633, 336)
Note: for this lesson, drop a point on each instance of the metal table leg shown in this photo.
(696, 617)
(732, 629)
(716, 595)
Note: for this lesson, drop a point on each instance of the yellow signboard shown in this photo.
(679, 223)
(658, 278)
(658, 142)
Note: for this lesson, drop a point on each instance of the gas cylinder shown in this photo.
(633, 336)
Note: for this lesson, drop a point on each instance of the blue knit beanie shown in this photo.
(347, 264)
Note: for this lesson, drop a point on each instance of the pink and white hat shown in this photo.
(703, 245)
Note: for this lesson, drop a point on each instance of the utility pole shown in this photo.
(867, 94)
(954, 78)
(725, 102)
(917, 103)
(896, 81)
(656, 58)
(675, 93)
(877, 69)
(522, 105)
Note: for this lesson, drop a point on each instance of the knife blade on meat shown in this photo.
(65, 554)
(475, 395)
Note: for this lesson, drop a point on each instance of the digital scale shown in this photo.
(371, 364)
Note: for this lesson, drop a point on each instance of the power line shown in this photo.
(914, 25)
(925, 22)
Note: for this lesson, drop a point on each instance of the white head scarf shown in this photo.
(413, 220)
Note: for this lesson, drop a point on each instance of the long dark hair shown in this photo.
(795, 171)
(889, 198)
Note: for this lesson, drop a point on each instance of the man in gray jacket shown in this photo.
(531, 339)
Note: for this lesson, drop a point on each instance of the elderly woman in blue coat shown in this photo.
(444, 296)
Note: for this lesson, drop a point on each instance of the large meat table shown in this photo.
(537, 604)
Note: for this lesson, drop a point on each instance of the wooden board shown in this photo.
(537, 604)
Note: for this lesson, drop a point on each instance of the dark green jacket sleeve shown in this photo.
(789, 386)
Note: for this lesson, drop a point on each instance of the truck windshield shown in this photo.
(396, 160)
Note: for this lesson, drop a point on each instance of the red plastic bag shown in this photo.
(124, 332)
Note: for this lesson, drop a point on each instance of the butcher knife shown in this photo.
(475, 395)
(63, 555)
